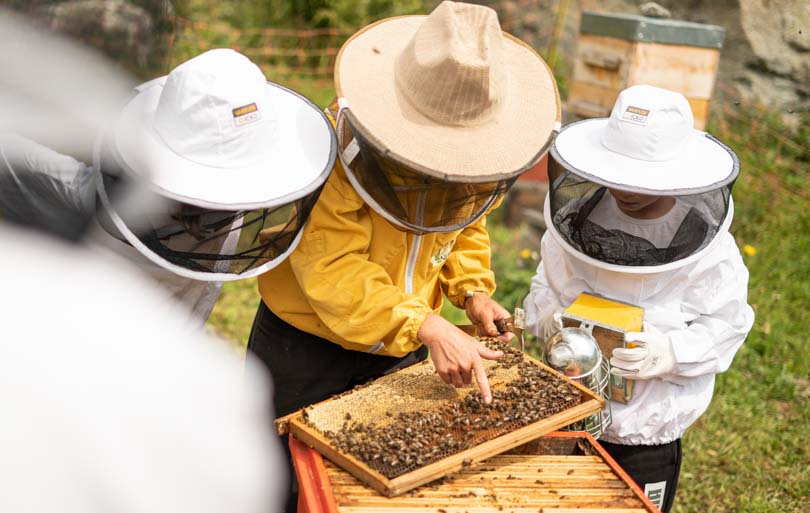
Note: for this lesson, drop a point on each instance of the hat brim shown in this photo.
(298, 159)
(513, 140)
(704, 164)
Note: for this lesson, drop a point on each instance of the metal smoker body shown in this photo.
(575, 352)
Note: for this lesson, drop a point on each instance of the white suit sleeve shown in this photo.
(718, 298)
(543, 296)
(32, 175)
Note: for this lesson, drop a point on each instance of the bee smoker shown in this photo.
(574, 352)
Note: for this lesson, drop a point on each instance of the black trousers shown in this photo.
(307, 369)
(655, 468)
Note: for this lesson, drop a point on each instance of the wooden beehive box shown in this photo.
(418, 393)
(616, 51)
(560, 472)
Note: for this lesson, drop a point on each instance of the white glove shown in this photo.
(550, 324)
(651, 358)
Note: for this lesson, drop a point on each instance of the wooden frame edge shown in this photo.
(620, 472)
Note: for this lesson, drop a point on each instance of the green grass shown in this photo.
(749, 452)
(233, 313)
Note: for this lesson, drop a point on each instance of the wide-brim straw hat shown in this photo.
(215, 133)
(449, 94)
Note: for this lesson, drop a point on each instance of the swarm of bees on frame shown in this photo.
(408, 440)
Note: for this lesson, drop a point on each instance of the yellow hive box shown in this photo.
(610, 319)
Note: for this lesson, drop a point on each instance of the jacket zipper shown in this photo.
(417, 242)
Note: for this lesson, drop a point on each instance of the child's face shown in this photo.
(642, 206)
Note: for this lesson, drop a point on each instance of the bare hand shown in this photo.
(482, 311)
(456, 355)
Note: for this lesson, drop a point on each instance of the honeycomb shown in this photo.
(411, 418)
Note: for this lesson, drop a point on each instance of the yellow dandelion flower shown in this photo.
(525, 254)
(749, 250)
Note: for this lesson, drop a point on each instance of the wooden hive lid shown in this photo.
(630, 27)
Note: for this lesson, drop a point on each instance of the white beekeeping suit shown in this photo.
(682, 267)
(701, 307)
(112, 400)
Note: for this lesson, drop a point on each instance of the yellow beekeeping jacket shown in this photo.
(349, 280)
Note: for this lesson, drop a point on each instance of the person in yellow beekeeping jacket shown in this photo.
(436, 117)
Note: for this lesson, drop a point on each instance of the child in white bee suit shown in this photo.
(638, 210)
(229, 167)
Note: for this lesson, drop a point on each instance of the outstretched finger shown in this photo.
(635, 354)
(487, 353)
(483, 382)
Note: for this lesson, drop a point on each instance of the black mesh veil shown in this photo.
(409, 199)
(587, 216)
(197, 242)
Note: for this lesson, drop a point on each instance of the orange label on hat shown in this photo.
(636, 115)
(245, 114)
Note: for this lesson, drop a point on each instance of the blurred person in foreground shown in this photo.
(232, 165)
(113, 401)
(638, 210)
(438, 115)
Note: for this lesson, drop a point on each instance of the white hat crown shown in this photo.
(214, 110)
(453, 70)
(649, 123)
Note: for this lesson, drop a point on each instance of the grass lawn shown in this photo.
(749, 453)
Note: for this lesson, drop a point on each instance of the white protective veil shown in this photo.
(647, 147)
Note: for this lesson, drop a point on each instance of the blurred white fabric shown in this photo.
(55, 90)
(38, 182)
(114, 400)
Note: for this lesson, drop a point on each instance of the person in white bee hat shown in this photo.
(229, 166)
(638, 210)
